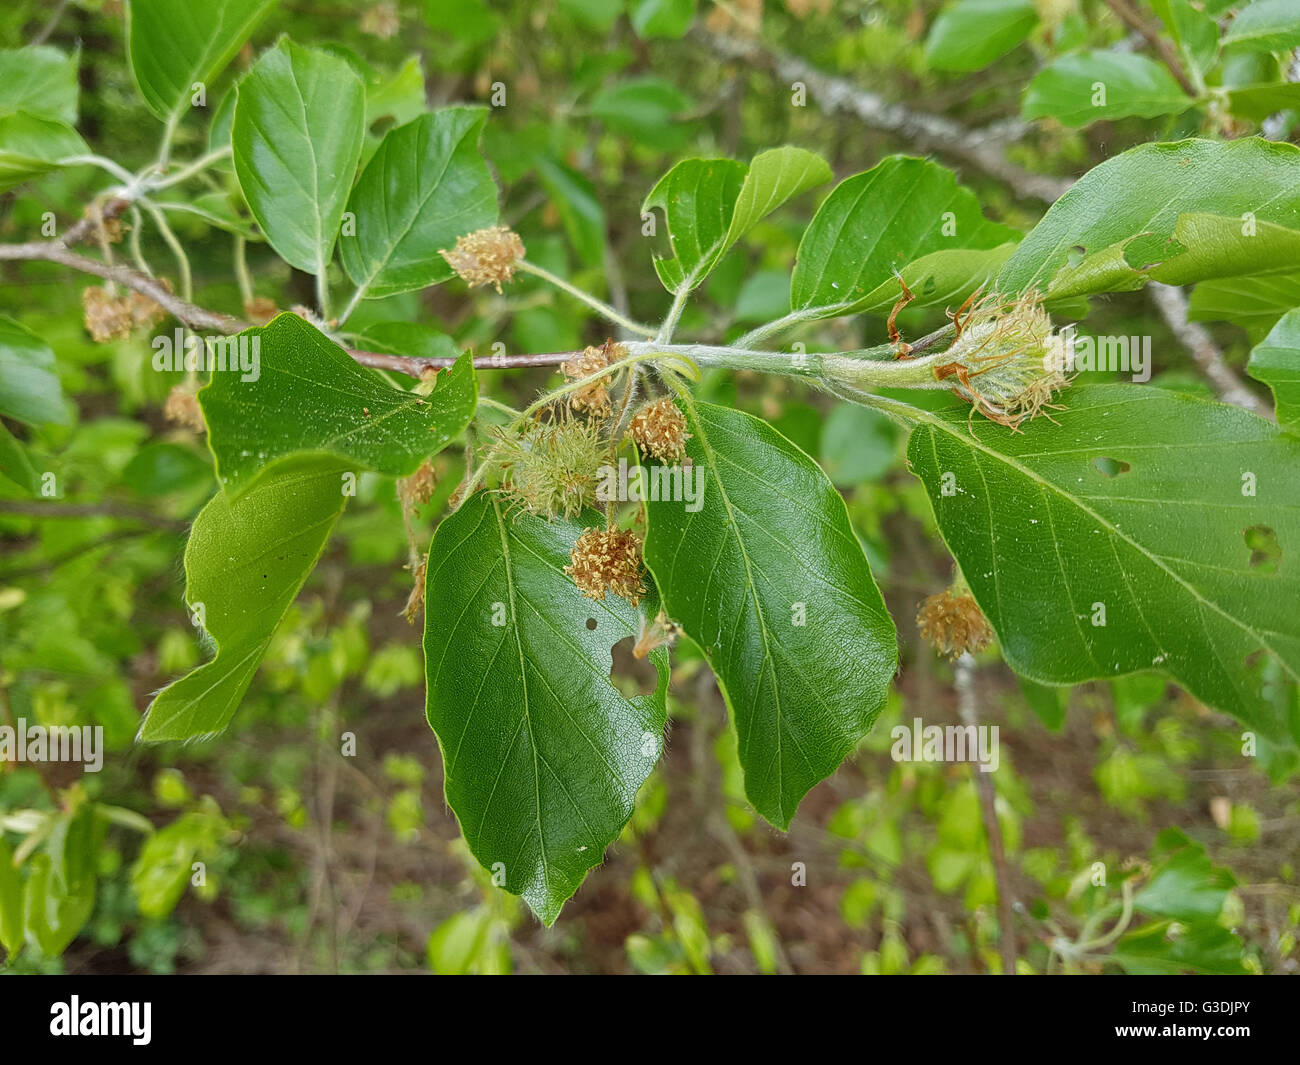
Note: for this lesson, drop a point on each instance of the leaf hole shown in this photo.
(591, 624)
(1265, 551)
(1109, 466)
(631, 675)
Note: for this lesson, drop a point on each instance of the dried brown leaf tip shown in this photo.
(593, 398)
(486, 256)
(418, 488)
(415, 601)
(953, 623)
(107, 317)
(607, 560)
(659, 429)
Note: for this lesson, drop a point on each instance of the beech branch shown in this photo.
(984, 149)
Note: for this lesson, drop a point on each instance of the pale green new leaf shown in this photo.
(174, 44)
(542, 753)
(31, 146)
(879, 222)
(1147, 531)
(245, 562)
(1255, 302)
(1123, 216)
(1266, 26)
(971, 34)
(710, 204)
(41, 81)
(698, 198)
(768, 578)
(298, 125)
(29, 389)
(1276, 362)
(425, 186)
(1082, 89)
(310, 395)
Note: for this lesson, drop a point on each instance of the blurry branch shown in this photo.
(968, 710)
(1172, 305)
(984, 149)
(187, 313)
(1168, 55)
(88, 510)
(50, 23)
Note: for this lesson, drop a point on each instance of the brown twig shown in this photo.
(1163, 48)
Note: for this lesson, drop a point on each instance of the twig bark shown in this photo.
(1171, 302)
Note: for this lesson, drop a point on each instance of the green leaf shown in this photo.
(31, 146)
(1186, 886)
(11, 903)
(425, 186)
(881, 221)
(663, 18)
(768, 578)
(1195, 33)
(1257, 102)
(53, 917)
(1255, 302)
(1064, 533)
(648, 109)
(1172, 947)
(245, 562)
(698, 198)
(1276, 362)
(29, 389)
(710, 204)
(774, 176)
(310, 395)
(1125, 214)
(14, 463)
(165, 864)
(41, 81)
(971, 34)
(298, 125)
(543, 755)
(410, 339)
(173, 44)
(1091, 86)
(1266, 26)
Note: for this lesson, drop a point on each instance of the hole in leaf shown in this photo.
(631, 675)
(1265, 551)
(1110, 467)
(591, 624)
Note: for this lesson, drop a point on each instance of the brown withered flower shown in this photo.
(659, 429)
(953, 623)
(592, 398)
(182, 408)
(486, 256)
(607, 560)
(107, 317)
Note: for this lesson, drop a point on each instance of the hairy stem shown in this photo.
(591, 301)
